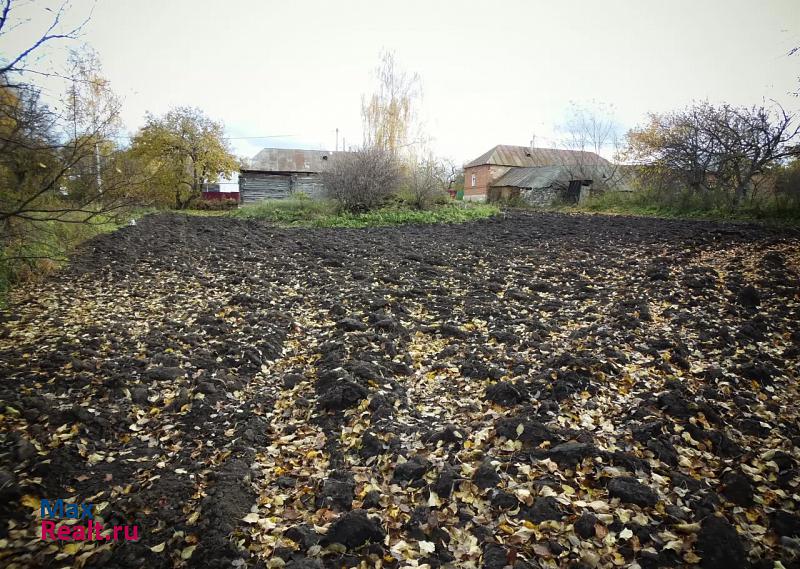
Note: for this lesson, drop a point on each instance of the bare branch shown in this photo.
(361, 180)
(16, 64)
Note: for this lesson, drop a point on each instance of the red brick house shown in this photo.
(538, 175)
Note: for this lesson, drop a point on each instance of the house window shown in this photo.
(474, 180)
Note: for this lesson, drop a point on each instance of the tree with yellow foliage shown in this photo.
(182, 151)
(389, 114)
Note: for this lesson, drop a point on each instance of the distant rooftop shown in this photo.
(527, 157)
(289, 160)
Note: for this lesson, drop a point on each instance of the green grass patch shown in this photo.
(201, 212)
(287, 211)
(688, 205)
(34, 249)
(321, 213)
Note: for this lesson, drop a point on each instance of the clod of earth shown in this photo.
(486, 476)
(413, 469)
(355, 529)
(631, 491)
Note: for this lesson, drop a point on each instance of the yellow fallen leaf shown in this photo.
(251, 518)
(30, 501)
(505, 528)
(187, 552)
(691, 557)
(158, 548)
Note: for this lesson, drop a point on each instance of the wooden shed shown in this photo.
(277, 173)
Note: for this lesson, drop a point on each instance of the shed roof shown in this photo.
(541, 177)
(524, 156)
(546, 176)
(289, 160)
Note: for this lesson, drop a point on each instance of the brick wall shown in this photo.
(484, 176)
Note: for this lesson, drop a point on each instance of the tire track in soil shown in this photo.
(208, 479)
(290, 468)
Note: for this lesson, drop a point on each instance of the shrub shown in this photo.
(216, 205)
(362, 180)
(423, 184)
(33, 249)
(692, 204)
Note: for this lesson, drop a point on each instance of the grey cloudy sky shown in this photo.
(491, 72)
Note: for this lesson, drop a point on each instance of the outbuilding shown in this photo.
(277, 173)
(540, 176)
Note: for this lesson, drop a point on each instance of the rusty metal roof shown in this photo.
(526, 157)
(289, 160)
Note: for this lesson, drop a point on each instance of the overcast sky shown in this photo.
(492, 72)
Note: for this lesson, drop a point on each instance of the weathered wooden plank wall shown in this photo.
(309, 184)
(257, 186)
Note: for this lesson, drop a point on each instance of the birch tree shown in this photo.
(389, 114)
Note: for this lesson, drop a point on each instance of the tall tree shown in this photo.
(49, 150)
(184, 149)
(53, 154)
(94, 111)
(389, 114)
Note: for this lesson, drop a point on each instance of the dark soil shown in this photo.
(530, 390)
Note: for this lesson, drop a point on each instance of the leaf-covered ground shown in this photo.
(536, 390)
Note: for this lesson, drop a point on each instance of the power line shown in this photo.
(129, 136)
(251, 137)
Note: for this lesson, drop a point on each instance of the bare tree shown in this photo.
(714, 148)
(591, 132)
(447, 173)
(591, 128)
(361, 180)
(426, 180)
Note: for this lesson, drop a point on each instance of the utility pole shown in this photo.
(337, 139)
